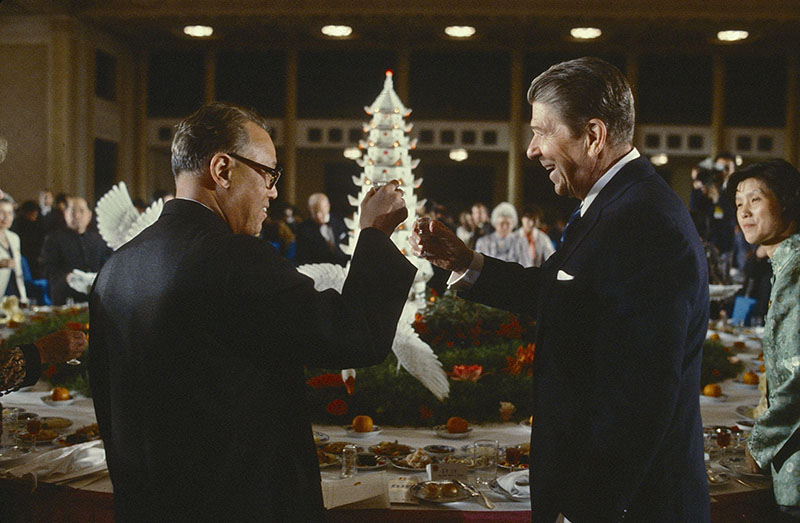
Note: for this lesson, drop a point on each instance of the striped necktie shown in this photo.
(576, 214)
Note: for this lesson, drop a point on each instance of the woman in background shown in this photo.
(11, 282)
(502, 244)
(767, 197)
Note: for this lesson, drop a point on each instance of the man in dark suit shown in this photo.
(319, 237)
(75, 246)
(622, 312)
(200, 332)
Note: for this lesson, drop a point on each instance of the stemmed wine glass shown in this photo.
(723, 438)
(34, 426)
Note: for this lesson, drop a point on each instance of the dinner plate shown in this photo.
(8, 454)
(44, 437)
(47, 400)
(381, 462)
(354, 434)
(738, 465)
(720, 479)
(713, 399)
(439, 450)
(442, 432)
(746, 411)
(419, 491)
(495, 486)
(320, 438)
(56, 423)
(742, 385)
(394, 449)
(526, 423)
(335, 447)
(402, 466)
(337, 460)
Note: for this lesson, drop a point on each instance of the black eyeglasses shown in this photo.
(271, 176)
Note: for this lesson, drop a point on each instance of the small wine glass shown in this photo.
(723, 438)
(34, 426)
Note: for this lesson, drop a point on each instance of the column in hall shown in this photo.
(289, 160)
(718, 105)
(790, 153)
(515, 141)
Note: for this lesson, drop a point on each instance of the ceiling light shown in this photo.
(198, 31)
(585, 33)
(732, 35)
(352, 153)
(659, 159)
(459, 31)
(458, 155)
(337, 31)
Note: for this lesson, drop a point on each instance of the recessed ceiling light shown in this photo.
(585, 33)
(459, 31)
(337, 31)
(352, 153)
(659, 159)
(458, 155)
(732, 35)
(198, 31)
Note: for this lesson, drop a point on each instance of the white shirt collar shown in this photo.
(603, 181)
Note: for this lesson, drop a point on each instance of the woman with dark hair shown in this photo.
(767, 198)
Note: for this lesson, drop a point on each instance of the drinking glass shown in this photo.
(484, 453)
(34, 426)
(723, 438)
(10, 426)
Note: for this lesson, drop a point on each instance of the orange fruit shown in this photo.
(712, 389)
(762, 368)
(59, 394)
(750, 378)
(362, 424)
(714, 337)
(455, 425)
(761, 356)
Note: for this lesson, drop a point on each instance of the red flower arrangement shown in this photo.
(325, 380)
(466, 373)
(523, 361)
(337, 407)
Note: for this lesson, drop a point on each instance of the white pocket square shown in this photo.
(563, 276)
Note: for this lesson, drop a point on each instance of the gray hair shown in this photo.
(215, 127)
(316, 198)
(587, 88)
(505, 210)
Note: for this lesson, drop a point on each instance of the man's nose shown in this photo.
(533, 149)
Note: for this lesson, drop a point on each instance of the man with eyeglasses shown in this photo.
(200, 332)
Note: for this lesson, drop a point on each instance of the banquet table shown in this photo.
(90, 498)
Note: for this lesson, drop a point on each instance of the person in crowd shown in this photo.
(767, 199)
(725, 165)
(622, 313)
(73, 247)
(503, 244)
(200, 331)
(11, 278)
(539, 245)
(291, 217)
(45, 202)
(31, 235)
(480, 216)
(319, 238)
(279, 234)
(21, 366)
(466, 226)
(54, 218)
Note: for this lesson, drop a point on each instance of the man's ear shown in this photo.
(220, 167)
(596, 136)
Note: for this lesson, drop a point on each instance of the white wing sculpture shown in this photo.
(118, 221)
(412, 353)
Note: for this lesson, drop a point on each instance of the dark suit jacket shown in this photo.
(616, 431)
(312, 247)
(199, 338)
(65, 250)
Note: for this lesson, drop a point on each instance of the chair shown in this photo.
(37, 289)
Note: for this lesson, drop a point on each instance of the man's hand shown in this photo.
(751, 463)
(384, 209)
(61, 346)
(433, 241)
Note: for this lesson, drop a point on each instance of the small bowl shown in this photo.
(439, 450)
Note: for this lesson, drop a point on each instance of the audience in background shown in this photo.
(31, 235)
(319, 238)
(466, 226)
(480, 216)
(539, 245)
(501, 243)
(70, 248)
(11, 277)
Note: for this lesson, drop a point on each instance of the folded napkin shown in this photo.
(516, 483)
(360, 491)
(62, 463)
